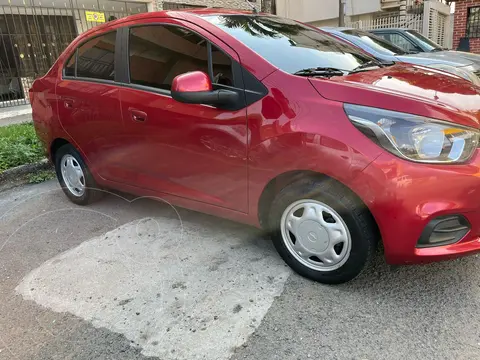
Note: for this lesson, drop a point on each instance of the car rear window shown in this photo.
(375, 42)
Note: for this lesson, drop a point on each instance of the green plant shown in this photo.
(40, 176)
(19, 145)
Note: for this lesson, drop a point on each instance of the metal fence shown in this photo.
(33, 34)
(411, 21)
(176, 6)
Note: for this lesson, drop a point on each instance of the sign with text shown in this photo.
(95, 16)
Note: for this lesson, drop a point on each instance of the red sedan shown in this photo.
(272, 123)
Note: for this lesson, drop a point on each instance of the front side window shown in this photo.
(473, 22)
(159, 53)
(289, 45)
(96, 57)
(400, 41)
(222, 68)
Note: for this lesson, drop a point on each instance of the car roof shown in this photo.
(390, 29)
(335, 28)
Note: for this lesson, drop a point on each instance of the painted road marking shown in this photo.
(178, 291)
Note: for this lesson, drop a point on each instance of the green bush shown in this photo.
(19, 145)
(40, 176)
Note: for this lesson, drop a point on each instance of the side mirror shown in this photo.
(196, 88)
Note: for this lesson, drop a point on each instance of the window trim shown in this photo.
(241, 76)
(75, 53)
(467, 27)
(81, 78)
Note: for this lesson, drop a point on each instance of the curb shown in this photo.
(16, 176)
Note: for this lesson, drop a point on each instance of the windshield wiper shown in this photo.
(366, 65)
(321, 71)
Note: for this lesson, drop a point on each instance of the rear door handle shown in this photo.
(138, 115)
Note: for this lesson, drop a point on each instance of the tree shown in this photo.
(268, 6)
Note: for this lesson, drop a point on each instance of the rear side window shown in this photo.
(159, 53)
(96, 57)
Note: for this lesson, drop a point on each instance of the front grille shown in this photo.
(477, 73)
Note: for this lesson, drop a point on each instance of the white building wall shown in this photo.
(313, 11)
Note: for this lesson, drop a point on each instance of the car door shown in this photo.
(193, 151)
(88, 102)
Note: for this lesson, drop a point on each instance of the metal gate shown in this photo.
(177, 6)
(34, 33)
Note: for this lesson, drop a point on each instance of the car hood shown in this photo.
(474, 58)
(415, 89)
(441, 57)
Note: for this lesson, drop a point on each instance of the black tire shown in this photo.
(92, 191)
(360, 224)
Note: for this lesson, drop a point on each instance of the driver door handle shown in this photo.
(68, 103)
(138, 115)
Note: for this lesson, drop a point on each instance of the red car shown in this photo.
(272, 123)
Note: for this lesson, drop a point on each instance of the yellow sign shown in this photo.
(95, 16)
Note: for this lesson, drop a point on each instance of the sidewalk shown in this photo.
(15, 115)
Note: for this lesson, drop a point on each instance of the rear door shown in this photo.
(89, 104)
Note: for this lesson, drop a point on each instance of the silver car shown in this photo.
(388, 52)
(412, 41)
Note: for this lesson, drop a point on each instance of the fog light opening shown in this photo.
(444, 230)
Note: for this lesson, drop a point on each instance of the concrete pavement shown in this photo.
(143, 280)
(15, 115)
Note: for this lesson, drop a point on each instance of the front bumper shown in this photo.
(405, 196)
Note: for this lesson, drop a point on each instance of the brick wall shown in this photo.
(229, 4)
(460, 24)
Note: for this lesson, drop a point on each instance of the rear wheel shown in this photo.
(322, 230)
(74, 176)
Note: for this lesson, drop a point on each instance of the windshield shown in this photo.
(290, 45)
(426, 43)
(374, 42)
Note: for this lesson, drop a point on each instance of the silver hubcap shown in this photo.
(72, 175)
(316, 235)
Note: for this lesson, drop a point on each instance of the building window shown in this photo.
(473, 22)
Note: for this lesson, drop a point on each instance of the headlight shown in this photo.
(415, 137)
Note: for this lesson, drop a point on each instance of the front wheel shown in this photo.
(322, 230)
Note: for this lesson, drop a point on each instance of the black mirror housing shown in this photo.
(220, 97)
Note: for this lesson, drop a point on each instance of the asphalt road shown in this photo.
(138, 279)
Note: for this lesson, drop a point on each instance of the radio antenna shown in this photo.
(254, 9)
